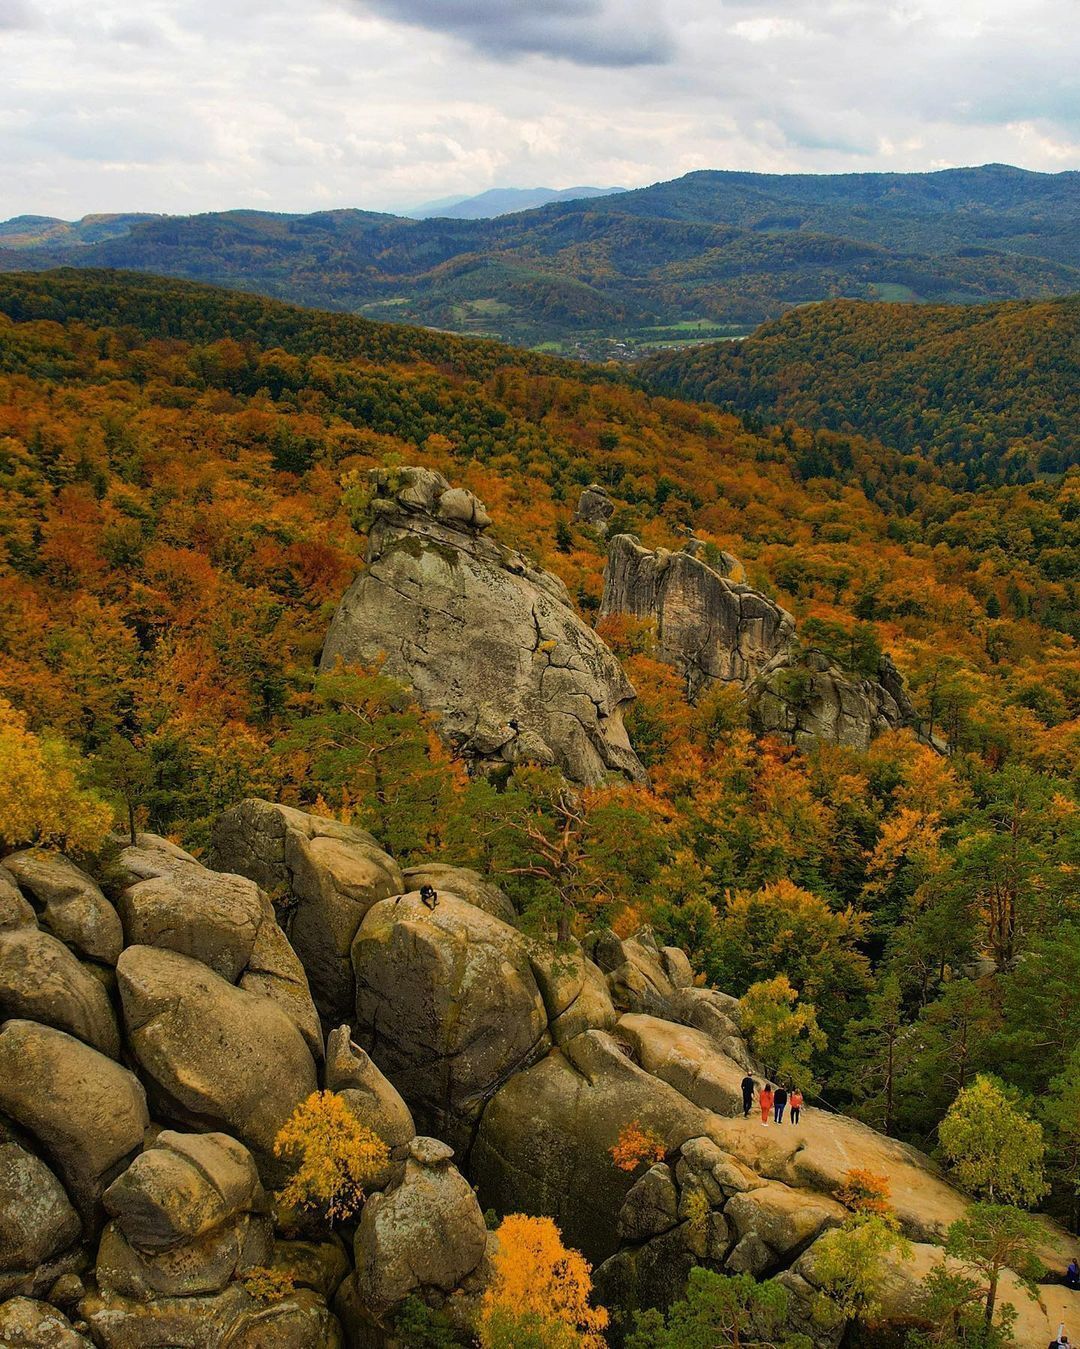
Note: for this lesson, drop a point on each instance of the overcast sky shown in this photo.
(196, 105)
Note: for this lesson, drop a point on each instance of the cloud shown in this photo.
(585, 32)
(16, 14)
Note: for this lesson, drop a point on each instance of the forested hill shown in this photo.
(993, 388)
(713, 251)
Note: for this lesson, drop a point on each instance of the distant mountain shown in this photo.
(498, 201)
(700, 256)
(36, 231)
(991, 387)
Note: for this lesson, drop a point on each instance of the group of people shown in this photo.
(772, 1101)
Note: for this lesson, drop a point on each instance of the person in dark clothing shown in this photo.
(779, 1102)
(428, 897)
(749, 1086)
(1072, 1274)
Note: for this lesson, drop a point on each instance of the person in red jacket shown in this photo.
(765, 1100)
(795, 1105)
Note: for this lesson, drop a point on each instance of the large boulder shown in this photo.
(174, 903)
(181, 1187)
(595, 507)
(325, 875)
(573, 988)
(447, 1006)
(490, 644)
(37, 1220)
(715, 629)
(545, 1140)
(685, 1059)
(41, 980)
(426, 1234)
(71, 904)
(637, 975)
(215, 1056)
(86, 1112)
(28, 1324)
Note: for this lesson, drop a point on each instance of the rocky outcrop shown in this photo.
(716, 629)
(174, 903)
(595, 508)
(72, 906)
(325, 876)
(447, 1005)
(490, 644)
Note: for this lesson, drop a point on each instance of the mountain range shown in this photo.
(498, 201)
(710, 254)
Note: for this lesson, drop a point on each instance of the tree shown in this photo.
(539, 1291)
(952, 1304)
(1060, 1111)
(336, 1157)
(874, 1054)
(994, 1149)
(850, 1263)
(43, 801)
(720, 1309)
(995, 1237)
(363, 744)
(636, 1145)
(124, 770)
(782, 1034)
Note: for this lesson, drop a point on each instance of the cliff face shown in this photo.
(489, 643)
(714, 628)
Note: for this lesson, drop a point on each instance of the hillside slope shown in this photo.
(703, 255)
(993, 388)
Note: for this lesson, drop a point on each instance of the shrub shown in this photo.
(637, 1145)
(336, 1157)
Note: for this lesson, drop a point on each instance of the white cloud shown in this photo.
(188, 105)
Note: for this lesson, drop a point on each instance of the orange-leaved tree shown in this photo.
(539, 1294)
(336, 1157)
(865, 1192)
(636, 1145)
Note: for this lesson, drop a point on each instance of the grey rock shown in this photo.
(327, 874)
(447, 1006)
(595, 507)
(751, 1255)
(15, 912)
(715, 629)
(72, 906)
(41, 980)
(573, 988)
(636, 977)
(215, 1056)
(428, 1233)
(205, 1264)
(87, 1113)
(651, 1207)
(37, 1220)
(489, 643)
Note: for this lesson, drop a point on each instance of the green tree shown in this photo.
(125, 771)
(1060, 1113)
(876, 1051)
(996, 1237)
(720, 1309)
(952, 1304)
(851, 1263)
(783, 1033)
(994, 1149)
(361, 742)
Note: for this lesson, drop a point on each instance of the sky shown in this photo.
(301, 105)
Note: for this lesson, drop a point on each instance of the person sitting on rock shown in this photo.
(749, 1086)
(765, 1100)
(428, 896)
(779, 1104)
(1072, 1274)
(795, 1105)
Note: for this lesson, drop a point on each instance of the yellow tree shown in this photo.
(539, 1294)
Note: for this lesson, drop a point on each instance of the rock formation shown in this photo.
(715, 628)
(490, 644)
(136, 1134)
(595, 508)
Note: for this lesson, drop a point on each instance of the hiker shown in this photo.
(765, 1100)
(779, 1104)
(749, 1086)
(1062, 1341)
(795, 1104)
(1072, 1274)
(428, 897)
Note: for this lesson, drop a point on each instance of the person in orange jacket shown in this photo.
(765, 1100)
(794, 1105)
